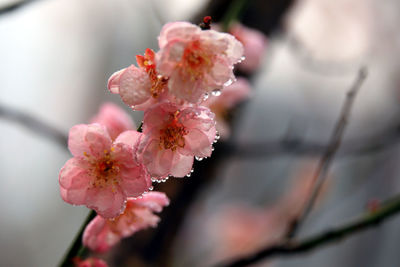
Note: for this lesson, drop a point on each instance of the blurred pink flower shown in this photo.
(139, 87)
(240, 229)
(173, 136)
(196, 62)
(102, 173)
(254, 43)
(114, 118)
(220, 105)
(89, 262)
(101, 234)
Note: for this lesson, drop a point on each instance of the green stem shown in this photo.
(77, 249)
(233, 13)
(369, 219)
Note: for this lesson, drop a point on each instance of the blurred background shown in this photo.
(56, 57)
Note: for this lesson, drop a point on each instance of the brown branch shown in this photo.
(327, 157)
(369, 219)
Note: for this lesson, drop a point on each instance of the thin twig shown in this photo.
(34, 124)
(327, 157)
(369, 219)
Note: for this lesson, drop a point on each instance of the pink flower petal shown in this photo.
(134, 86)
(154, 201)
(107, 202)
(74, 180)
(135, 180)
(197, 144)
(182, 165)
(92, 139)
(129, 138)
(115, 119)
(94, 236)
(157, 161)
(176, 30)
(113, 81)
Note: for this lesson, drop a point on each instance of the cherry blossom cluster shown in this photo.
(114, 165)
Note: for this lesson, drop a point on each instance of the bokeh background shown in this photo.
(56, 57)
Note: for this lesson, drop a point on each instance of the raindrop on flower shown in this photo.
(216, 92)
(205, 97)
(198, 158)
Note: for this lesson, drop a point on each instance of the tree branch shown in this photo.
(369, 219)
(34, 124)
(327, 157)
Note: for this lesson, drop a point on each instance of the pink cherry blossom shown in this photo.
(101, 234)
(196, 62)
(102, 173)
(254, 43)
(173, 135)
(139, 87)
(114, 118)
(220, 105)
(89, 262)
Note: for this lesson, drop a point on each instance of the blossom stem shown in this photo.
(290, 247)
(233, 13)
(77, 249)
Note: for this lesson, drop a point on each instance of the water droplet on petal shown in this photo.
(228, 82)
(216, 92)
(189, 174)
(212, 148)
(198, 158)
(151, 188)
(205, 97)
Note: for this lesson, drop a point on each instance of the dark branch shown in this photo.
(369, 219)
(12, 7)
(329, 154)
(34, 125)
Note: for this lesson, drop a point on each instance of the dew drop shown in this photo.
(205, 97)
(132, 107)
(228, 82)
(192, 170)
(151, 188)
(212, 148)
(188, 175)
(216, 92)
(198, 158)
(159, 76)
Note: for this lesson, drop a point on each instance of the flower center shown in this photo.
(104, 171)
(172, 135)
(196, 61)
(129, 216)
(158, 83)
